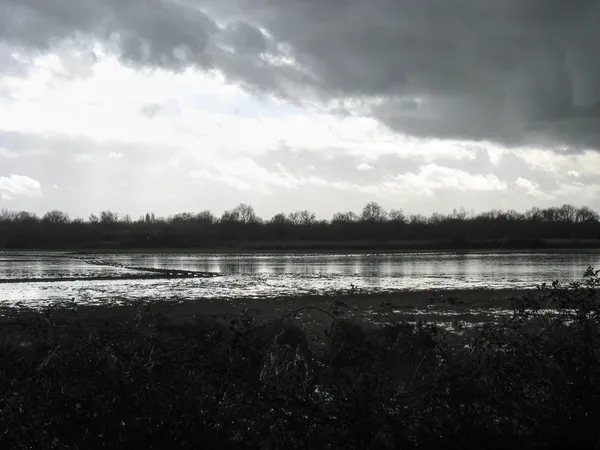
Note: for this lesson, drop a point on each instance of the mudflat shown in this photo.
(311, 311)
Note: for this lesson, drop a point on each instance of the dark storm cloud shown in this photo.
(168, 34)
(148, 32)
(512, 71)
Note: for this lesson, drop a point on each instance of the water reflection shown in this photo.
(271, 275)
(470, 265)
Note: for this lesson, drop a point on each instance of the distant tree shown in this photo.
(78, 220)
(56, 217)
(242, 213)
(397, 215)
(181, 218)
(302, 218)
(241, 224)
(294, 218)
(373, 212)
(206, 217)
(344, 217)
(148, 218)
(436, 218)
(109, 217)
(228, 217)
(125, 219)
(461, 214)
(585, 214)
(417, 219)
(6, 216)
(25, 217)
(549, 215)
(534, 213)
(279, 219)
(567, 213)
(514, 215)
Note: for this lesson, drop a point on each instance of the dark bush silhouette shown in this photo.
(529, 381)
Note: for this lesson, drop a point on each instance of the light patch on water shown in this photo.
(276, 275)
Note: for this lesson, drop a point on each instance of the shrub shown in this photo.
(530, 381)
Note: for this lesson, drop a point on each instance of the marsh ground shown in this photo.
(445, 307)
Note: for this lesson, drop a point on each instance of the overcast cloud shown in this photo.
(274, 101)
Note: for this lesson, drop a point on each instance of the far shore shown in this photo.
(307, 250)
(345, 246)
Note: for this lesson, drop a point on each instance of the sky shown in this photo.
(170, 106)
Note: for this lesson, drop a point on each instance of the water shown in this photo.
(274, 275)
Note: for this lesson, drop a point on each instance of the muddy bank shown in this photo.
(311, 311)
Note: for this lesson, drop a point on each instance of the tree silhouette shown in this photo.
(242, 227)
(397, 216)
(279, 219)
(109, 217)
(345, 217)
(243, 213)
(302, 218)
(56, 217)
(373, 212)
(206, 217)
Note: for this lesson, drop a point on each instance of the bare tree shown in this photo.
(397, 215)
(56, 217)
(373, 212)
(242, 213)
(205, 217)
(345, 217)
(109, 217)
(279, 219)
(25, 217)
(417, 219)
(436, 218)
(585, 214)
(567, 213)
(302, 218)
(181, 218)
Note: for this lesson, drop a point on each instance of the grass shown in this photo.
(313, 373)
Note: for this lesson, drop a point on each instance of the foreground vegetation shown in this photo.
(241, 228)
(529, 381)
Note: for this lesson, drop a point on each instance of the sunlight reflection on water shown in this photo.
(277, 275)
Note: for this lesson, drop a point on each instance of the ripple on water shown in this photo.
(276, 275)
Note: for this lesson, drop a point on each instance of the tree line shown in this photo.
(240, 227)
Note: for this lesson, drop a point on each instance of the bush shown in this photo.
(530, 381)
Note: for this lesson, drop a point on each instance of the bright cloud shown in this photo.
(432, 177)
(532, 189)
(19, 185)
(364, 166)
(245, 174)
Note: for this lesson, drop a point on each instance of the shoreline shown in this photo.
(362, 307)
(279, 251)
